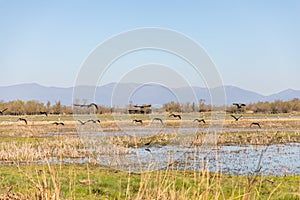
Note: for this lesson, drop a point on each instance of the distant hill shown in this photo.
(119, 95)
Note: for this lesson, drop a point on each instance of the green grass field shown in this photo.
(92, 182)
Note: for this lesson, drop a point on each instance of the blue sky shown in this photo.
(254, 44)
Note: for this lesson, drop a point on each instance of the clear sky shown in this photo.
(255, 44)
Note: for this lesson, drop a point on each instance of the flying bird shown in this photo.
(239, 105)
(88, 106)
(93, 104)
(157, 119)
(22, 119)
(2, 111)
(90, 120)
(147, 149)
(256, 124)
(58, 123)
(81, 122)
(199, 120)
(174, 115)
(94, 121)
(236, 118)
(44, 113)
(137, 121)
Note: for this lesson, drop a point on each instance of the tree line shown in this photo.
(33, 107)
(275, 107)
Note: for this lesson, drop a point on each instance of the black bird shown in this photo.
(236, 118)
(147, 149)
(148, 143)
(88, 106)
(22, 119)
(158, 119)
(93, 104)
(81, 122)
(239, 105)
(44, 113)
(255, 123)
(199, 120)
(137, 121)
(58, 123)
(174, 115)
(2, 111)
(94, 121)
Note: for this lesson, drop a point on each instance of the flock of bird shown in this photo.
(239, 106)
(26, 122)
(59, 123)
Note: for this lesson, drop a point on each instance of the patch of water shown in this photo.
(239, 160)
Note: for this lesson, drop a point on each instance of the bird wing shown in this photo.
(255, 123)
(233, 116)
(147, 149)
(22, 119)
(81, 122)
(93, 104)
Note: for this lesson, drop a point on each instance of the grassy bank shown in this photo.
(91, 182)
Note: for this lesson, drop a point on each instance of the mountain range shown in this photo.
(121, 94)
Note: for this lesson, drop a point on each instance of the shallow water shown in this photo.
(277, 159)
(242, 160)
(237, 160)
